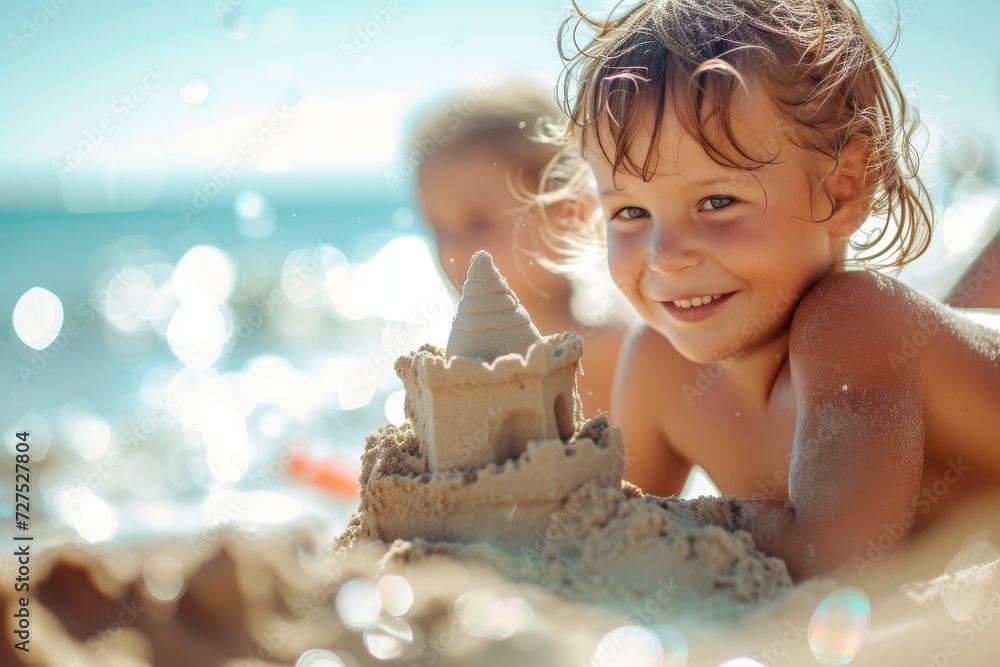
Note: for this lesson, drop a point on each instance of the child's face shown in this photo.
(700, 229)
(467, 200)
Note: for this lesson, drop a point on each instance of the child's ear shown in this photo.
(576, 212)
(847, 188)
(584, 207)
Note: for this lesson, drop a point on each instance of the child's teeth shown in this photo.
(696, 301)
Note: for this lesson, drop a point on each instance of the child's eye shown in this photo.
(715, 202)
(631, 213)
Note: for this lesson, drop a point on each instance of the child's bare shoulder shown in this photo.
(856, 314)
(874, 330)
(875, 312)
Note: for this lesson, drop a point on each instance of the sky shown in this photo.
(120, 105)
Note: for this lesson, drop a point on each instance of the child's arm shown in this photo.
(857, 458)
(643, 372)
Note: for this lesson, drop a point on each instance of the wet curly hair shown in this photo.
(816, 60)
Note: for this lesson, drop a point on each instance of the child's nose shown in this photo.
(671, 255)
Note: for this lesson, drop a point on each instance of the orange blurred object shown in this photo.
(326, 473)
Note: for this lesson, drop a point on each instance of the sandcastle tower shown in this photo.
(513, 385)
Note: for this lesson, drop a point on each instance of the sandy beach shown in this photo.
(269, 599)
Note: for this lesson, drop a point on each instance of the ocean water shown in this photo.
(164, 368)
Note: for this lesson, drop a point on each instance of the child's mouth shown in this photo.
(697, 308)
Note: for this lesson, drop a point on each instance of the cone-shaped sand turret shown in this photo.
(490, 322)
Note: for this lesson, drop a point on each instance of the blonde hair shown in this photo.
(819, 64)
(505, 117)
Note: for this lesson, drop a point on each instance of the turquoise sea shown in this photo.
(188, 360)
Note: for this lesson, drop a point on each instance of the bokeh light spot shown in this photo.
(163, 577)
(970, 578)
(629, 646)
(318, 657)
(961, 224)
(90, 436)
(473, 611)
(196, 334)
(255, 216)
(228, 464)
(508, 617)
(93, 518)
(204, 273)
(388, 639)
(396, 594)
(675, 647)
(195, 91)
(358, 603)
(394, 407)
(839, 626)
(38, 318)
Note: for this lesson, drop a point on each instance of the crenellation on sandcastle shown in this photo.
(497, 364)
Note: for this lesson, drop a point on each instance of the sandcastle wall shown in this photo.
(502, 503)
(468, 413)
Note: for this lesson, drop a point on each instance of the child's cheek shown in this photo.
(628, 260)
(626, 271)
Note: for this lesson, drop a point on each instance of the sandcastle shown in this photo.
(495, 463)
(495, 425)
